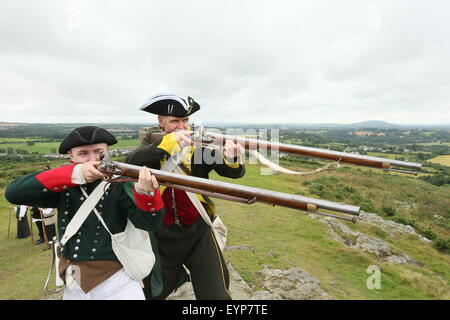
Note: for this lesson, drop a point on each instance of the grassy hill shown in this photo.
(284, 238)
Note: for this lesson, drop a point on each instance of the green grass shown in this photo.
(284, 238)
(443, 160)
(9, 140)
(38, 147)
(133, 143)
(392, 156)
(23, 266)
(433, 144)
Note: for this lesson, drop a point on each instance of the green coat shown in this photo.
(92, 242)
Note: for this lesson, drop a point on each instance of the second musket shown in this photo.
(234, 192)
(362, 160)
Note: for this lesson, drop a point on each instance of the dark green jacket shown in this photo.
(54, 189)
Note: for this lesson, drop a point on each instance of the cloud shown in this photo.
(252, 61)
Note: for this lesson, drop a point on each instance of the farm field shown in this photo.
(392, 156)
(443, 160)
(52, 147)
(434, 144)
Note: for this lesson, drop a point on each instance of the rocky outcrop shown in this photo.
(239, 289)
(363, 242)
(290, 284)
(389, 226)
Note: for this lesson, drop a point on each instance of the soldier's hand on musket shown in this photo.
(147, 182)
(90, 172)
(183, 138)
(232, 150)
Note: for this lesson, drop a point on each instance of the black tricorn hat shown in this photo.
(170, 105)
(86, 135)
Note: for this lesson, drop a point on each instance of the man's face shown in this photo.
(90, 152)
(170, 124)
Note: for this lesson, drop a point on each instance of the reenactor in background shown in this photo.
(23, 228)
(48, 221)
(37, 219)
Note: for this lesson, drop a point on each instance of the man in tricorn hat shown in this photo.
(101, 275)
(185, 238)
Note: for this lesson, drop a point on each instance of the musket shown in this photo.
(211, 137)
(231, 191)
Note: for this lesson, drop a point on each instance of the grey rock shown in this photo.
(363, 242)
(239, 289)
(293, 284)
(265, 295)
(231, 248)
(389, 226)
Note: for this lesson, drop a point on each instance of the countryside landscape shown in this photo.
(404, 230)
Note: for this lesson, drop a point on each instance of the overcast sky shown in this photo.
(243, 61)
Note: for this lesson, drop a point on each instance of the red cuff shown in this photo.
(58, 179)
(148, 203)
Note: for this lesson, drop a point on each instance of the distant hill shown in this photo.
(374, 124)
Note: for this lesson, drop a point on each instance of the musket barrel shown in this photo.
(250, 143)
(239, 191)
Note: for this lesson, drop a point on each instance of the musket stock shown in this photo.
(233, 192)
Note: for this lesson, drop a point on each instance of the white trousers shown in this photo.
(117, 287)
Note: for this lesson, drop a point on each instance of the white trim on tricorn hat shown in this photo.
(166, 104)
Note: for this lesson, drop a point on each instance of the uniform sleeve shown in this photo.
(169, 144)
(229, 168)
(148, 155)
(146, 212)
(40, 189)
